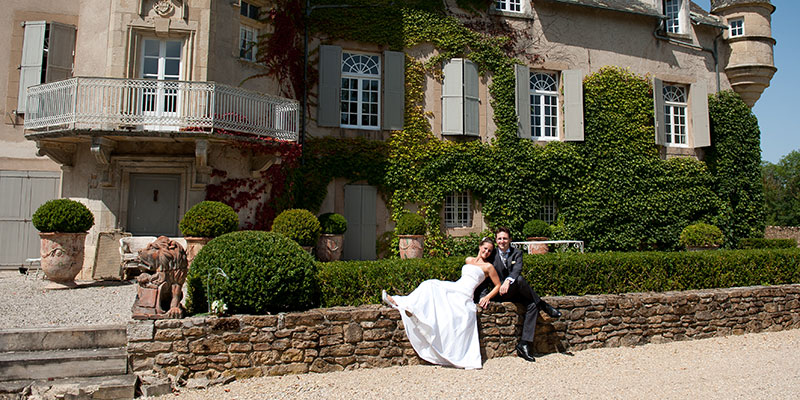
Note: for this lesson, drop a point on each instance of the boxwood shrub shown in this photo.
(761, 243)
(63, 215)
(410, 224)
(333, 223)
(701, 235)
(536, 228)
(264, 272)
(209, 219)
(299, 225)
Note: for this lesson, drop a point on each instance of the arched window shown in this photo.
(544, 106)
(361, 88)
(675, 114)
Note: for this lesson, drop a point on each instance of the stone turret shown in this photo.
(750, 65)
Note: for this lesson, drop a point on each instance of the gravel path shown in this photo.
(754, 366)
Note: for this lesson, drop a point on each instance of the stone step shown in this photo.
(76, 337)
(98, 387)
(52, 364)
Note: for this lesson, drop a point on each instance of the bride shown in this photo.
(440, 317)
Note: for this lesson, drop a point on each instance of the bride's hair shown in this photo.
(486, 239)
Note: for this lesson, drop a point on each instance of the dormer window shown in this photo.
(672, 10)
(737, 27)
(508, 5)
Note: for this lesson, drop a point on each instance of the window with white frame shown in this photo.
(458, 210)
(248, 37)
(737, 27)
(675, 115)
(361, 88)
(508, 5)
(672, 10)
(549, 211)
(544, 106)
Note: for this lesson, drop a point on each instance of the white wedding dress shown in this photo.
(443, 327)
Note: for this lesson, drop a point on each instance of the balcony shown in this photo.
(146, 105)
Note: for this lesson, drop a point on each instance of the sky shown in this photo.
(775, 110)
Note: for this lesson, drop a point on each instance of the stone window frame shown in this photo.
(545, 94)
(361, 77)
(676, 105)
(458, 210)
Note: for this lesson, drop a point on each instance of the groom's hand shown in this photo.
(504, 287)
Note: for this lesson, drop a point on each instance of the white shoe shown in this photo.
(385, 299)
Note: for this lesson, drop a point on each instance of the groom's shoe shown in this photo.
(549, 310)
(522, 351)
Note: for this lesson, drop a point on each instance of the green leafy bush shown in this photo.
(536, 228)
(701, 235)
(410, 224)
(761, 243)
(333, 223)
(299, 225)
(63, 215)
(456, 245)
(209, 219)
(252, 272)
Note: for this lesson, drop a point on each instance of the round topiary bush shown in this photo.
(332, 223)
(209, 219)
(536, 228)
(701, 235)
(64, 216)
(252, 272)
(411, 224)
(299, 225)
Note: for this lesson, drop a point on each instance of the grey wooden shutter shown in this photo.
(573, 105)
(658, 101)
(522, 93)
(471, 99)
(330, 85)
(30, 69)
(394, 84)
(61, 51)
(452, 98)
(700, 126)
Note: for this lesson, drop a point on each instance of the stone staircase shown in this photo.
(69, 362)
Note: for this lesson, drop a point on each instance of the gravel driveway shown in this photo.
(753, 366)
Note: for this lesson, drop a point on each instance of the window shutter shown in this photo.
(471, 99)
(658, 100)
(330, 85)
(394, 82)
(452, 98)
(522, 93)
(700, 126)
(30, 70)
(60, 54)
(573, 105)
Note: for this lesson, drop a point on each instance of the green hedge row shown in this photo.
(556, 274)
(761, 243)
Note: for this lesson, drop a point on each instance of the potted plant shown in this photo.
(329, 245)
(411, 234)
(205, 221)
(534, 230)
(62, 225)
(701, 236)
(299, 225)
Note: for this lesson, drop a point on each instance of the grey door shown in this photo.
(359, 210)
(153, 204)
(21, 193)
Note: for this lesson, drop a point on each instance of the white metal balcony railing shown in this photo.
(158, 105)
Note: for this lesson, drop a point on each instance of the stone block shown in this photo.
(238, 347)
(287, 369)
(230, 337)
(308, 318)
(166, 359)
(168, 335)
(353, 333)
(208, 345)
(168, 323)
(260, 321)
(341, 350)
(138, 331)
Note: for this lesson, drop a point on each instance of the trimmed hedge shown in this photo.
(410, 224)
(209, 219)
(64, 216)
(761, 243)
(299, 225)
(560, 274)
(333, 223)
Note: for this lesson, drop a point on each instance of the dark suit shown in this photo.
(518, 292)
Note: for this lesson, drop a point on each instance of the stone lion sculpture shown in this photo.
(161, 290)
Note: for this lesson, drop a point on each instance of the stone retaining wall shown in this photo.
(339, 338)
(783, 232)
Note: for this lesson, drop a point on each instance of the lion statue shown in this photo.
(161, 291)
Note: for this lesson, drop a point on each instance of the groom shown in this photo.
(508, 263)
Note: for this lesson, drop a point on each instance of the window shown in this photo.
(508, 5)
(549, 211)
(544, 106)
(247, 43)
(737, 27)
(360, 91)
(47, 56)
(458, 210)
(161, 60)
(250, 10)
(675, 115)
(672, 10)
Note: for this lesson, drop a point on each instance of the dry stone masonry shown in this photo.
(783, 232)
(339, 338)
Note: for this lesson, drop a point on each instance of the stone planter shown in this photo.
(193, 246)
(411, 246)
(538, 248)
(62, 257)
(329, 247)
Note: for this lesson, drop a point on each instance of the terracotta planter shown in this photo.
(62, 256)
(538, 248)
(193, 246)
(411, 246)
(329, 247)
